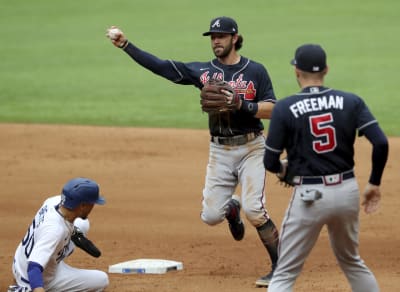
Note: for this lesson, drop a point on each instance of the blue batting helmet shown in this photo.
(81, 190)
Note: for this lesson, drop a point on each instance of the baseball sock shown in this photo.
(269, 236)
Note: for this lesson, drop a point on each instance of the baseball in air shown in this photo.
(114, 33)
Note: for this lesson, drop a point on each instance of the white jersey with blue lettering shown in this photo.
(46, 242)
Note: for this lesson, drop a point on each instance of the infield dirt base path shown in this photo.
(153, 180)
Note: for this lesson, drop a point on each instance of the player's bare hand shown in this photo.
(230, 97)
(372, 197)
(282, 173)
(116, 36)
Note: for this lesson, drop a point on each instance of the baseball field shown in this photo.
(71, 105)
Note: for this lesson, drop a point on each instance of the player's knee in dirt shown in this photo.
(103, 281)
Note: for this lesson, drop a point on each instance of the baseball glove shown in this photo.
(218, 96)
(82, 242)
(283, 175)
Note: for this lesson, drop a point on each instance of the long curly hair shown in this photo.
(239, 43)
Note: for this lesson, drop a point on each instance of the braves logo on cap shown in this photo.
(222, 24)
(216, 24)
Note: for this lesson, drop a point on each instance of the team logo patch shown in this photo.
(216, 24)
(246, 89)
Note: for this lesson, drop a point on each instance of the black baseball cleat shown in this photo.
(265, 280)
(232, 214)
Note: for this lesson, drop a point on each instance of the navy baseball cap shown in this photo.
(310, 58)
(222, 24)
(81, 190)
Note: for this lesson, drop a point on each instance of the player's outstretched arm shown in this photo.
(164, 68)
(371, 198)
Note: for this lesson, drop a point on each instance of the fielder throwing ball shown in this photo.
(317, 128)
(57, 227)
(236, 92)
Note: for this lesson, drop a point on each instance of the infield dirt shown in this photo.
(153, 180)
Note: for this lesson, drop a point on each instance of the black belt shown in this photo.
(331, 179)
(235, 140)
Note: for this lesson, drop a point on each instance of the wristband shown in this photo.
(124, 44)
(35, 271)
(250, 107)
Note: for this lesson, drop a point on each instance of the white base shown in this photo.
(145, 266)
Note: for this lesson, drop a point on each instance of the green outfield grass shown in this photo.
(58, 67)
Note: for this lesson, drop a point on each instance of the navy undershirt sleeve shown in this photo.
(276, 139)
(164, 68)
(379, 152)
(35, 275)
(271, 161)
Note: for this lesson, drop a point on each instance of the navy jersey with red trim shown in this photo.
(317, 127)
(249, 79)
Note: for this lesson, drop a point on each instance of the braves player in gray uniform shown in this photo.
(39, 259)
(237, 142)
(317, 128)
